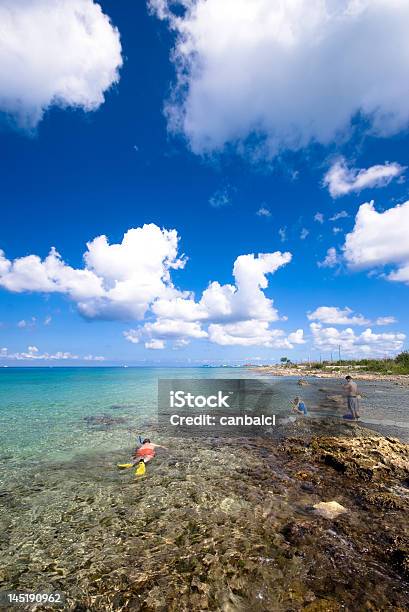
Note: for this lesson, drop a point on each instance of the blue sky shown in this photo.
(234, 158)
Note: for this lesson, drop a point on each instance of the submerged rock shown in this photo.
(329, 510)
(104, 420)
(220, 527)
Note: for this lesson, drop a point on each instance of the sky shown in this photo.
(203, 181)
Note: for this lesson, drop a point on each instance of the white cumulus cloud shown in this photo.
(252, 333)
(342, 180)
(366, 343)
(333, 315)
(131, 280)
(157, 332)
(244, 300)
(118, 281)
(238, 314)
(380, 239)
(288, 72)
(337, 316)
(55, 52)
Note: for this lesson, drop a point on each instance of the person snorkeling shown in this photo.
(299, 406)
(142, 455)
(146, 452)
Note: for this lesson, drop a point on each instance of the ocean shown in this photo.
(70, 521)
(51, 414)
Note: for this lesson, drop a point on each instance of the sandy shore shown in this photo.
(330, 372)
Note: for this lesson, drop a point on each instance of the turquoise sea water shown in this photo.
(56, 413)
(71, 521)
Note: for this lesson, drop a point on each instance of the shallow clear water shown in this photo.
(69, 520)
(52, 413)
(44, 412)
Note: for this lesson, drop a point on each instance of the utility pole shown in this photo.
(339, 352)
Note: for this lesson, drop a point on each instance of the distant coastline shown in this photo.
(329, 371)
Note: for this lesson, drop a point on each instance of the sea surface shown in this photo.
(56, 413)
(71, 521)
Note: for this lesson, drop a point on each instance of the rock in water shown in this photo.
(105, 420)
(303, 383)
(329, 510)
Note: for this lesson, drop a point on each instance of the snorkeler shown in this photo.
(146, 451)
(299, 406)
(142, 455)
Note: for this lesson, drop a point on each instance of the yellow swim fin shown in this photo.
(124, 466)
(141, 469)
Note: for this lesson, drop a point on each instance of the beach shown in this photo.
(312, 517)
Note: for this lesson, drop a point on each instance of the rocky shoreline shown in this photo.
(218, 524)
(303, 371)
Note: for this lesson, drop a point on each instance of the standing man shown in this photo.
(351, 389)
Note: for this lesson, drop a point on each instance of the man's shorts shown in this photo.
(353, 404)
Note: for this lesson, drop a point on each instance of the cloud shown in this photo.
(156, 333)
(304, 233)
(131, 280)
(118, 281)
(220, 198)
(242, 67)
(367, 343)
(337, 316)
(380, 239)
(244, 300)
(340, 215)
(331, 259)
(282, 232)
(33, 354)
(342, 180)
(296, 337)
(55, 52)
(238, 314)
(319, 217)
(23, 324)
(385, 321)
(332, 315)
(252, 333)
(48, 320)
(155, 344)
(263, 212)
